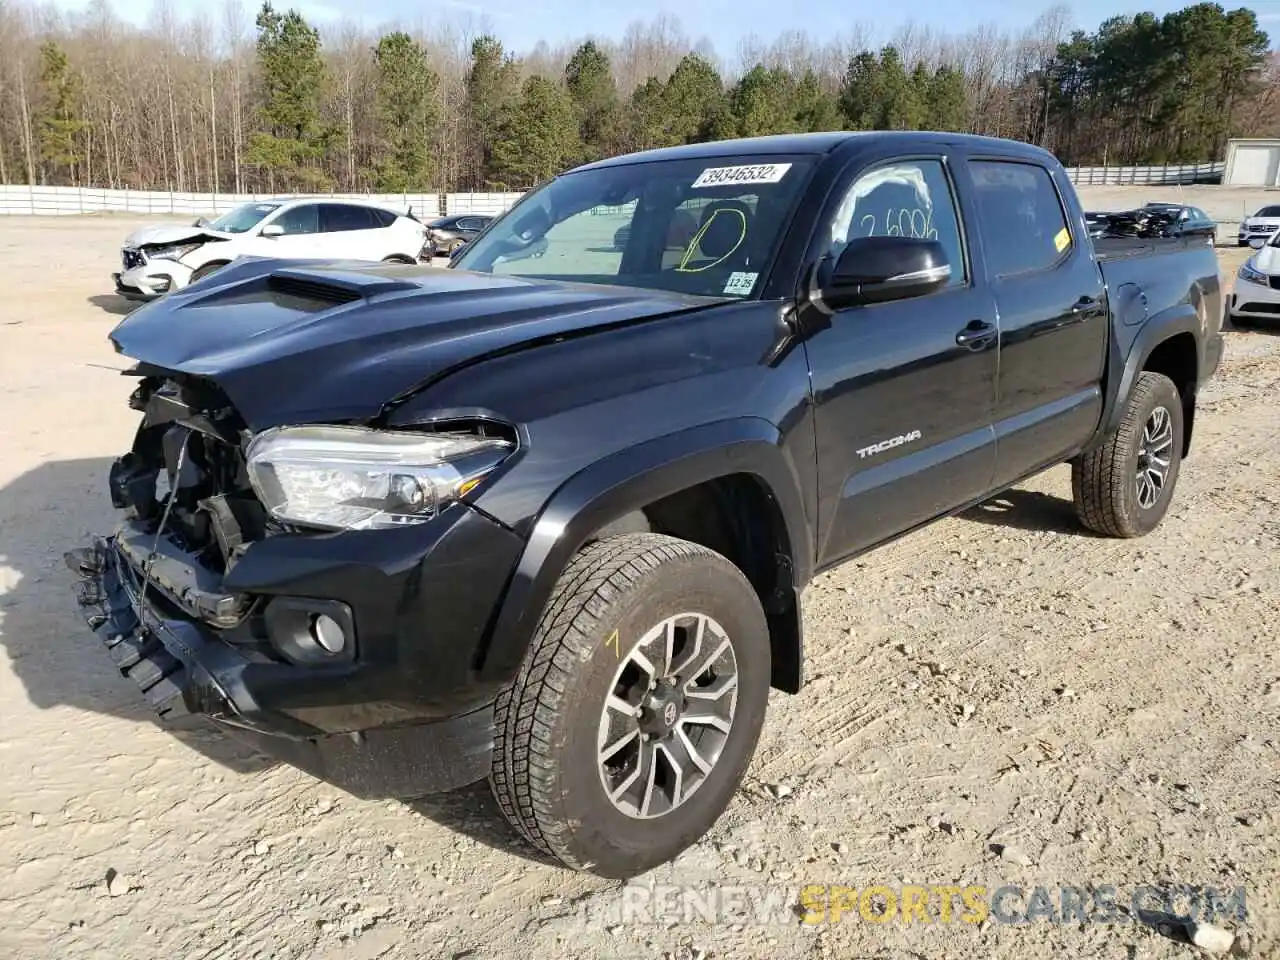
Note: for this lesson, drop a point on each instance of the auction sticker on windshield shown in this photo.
(751, 173)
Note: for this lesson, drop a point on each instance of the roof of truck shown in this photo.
(814, 143)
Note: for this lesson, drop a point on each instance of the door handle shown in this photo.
(976, 335)
(1083, 304)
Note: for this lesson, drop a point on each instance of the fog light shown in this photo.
(311, 631)
(328, 633)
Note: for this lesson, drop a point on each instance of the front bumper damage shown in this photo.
(182, 667)
(152, 279)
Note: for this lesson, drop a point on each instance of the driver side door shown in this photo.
(301, 238)
(904, 391)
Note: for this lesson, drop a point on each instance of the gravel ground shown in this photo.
(998, 700)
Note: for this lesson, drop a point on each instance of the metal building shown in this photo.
(1252, 163)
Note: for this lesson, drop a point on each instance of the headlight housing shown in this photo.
(1251, 274)
(355, 478)
(174, 251)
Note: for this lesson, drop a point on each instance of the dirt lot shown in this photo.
(1108, 709)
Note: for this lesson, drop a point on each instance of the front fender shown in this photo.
(627, 481)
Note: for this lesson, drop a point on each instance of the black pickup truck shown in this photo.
(545, 517)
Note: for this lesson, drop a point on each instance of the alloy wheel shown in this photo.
(667, 715)
(1155, 456)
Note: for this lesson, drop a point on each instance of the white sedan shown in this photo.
(166, 257)
(1256, 295)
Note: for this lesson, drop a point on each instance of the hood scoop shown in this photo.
(332, 287)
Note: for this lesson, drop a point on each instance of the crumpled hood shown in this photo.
(172, 233)
(337, 340)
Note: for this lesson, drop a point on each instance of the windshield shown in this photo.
(1268, 212)
(707, 227)
(243, 218)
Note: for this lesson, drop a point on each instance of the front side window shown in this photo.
(903, 198)
(705, 227)
(300, 220)
(1021, 219)
(243, 218)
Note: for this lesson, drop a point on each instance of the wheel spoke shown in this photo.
(696, 758)
(677, 773)
(607, 752)
(695, 646)
(714, 690)
(649, 752)
(712, 720)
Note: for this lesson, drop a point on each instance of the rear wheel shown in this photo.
(638, 707)
(1123, 487)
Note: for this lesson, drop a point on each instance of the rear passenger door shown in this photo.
(1053, 314)
(903, 390)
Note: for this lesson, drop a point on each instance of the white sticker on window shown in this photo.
(752, 173)
(740, 283)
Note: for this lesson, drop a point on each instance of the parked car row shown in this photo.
(162, 258)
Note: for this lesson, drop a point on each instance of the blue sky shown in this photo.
(521, 23)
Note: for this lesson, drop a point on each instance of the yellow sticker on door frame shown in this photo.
(1062, 240)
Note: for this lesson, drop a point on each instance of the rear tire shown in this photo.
(1123, 487)
(571, 759)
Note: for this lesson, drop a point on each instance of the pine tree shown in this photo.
(58, 121)
(589, 80)
(538, 136)
(293, 83)
(408, 112)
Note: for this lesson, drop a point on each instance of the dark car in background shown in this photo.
(1154, 220)
(446, 234)
(1177, 220)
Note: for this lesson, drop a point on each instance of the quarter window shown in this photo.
(905, 198)
(1021, 219)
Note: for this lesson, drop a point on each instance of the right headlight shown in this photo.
(355, 478)
(1251, 274)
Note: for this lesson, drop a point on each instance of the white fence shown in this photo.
(57, 201)
(63, 201)
(1168, 173)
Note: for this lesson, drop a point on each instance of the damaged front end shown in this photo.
(188, 515)
(336, 652)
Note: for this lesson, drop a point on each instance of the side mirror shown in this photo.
(273, 230)
(202, 222)
(881, 269)
(1257, 242)
(456, 249)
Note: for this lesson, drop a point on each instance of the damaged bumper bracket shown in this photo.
(153, 655)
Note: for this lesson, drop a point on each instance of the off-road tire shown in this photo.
(1103, 479)
(545, 775)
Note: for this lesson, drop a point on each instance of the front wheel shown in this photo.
(1123, 487)
(638, 707)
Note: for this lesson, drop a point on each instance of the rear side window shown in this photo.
(337, 217)
(1021, 219)
(384, 218)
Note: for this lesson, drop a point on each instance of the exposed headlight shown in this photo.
(173, 252)
(353, 478)
(1251, 274)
